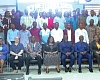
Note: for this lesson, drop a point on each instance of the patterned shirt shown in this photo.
(91, 30)
(34, 47)
(27, 20)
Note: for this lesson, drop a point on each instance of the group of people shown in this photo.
(46, 36)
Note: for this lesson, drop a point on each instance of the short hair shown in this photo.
(56, 23)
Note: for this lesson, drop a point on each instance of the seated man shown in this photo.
(82, 50)
(33, 50)
(66, 48)
(16, 51)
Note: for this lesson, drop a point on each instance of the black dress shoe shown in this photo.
(27, 72)
(69, 69)
(91, 70)
(39, 71)
(66, 69)
(80, 71)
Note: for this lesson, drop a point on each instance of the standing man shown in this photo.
(11, 34)
(74, 20)
(91, 30)
(81, 31)
(61, 20)
(92, 16)
(57, 33)
(26, 19)
(44, 35)
(82, 50)
(35, 32)
(69, 32)
(24, 36)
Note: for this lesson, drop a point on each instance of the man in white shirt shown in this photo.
(61, 20)
(26, 19)
(11, 34)
(81, 31)
(36, 19)
(57, 33)
(92, 16)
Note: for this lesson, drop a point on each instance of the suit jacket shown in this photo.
(66, 47)
(72, 35)
(93, 46)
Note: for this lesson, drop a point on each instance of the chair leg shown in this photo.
(7, 66)
(24, 67)
(76, 65)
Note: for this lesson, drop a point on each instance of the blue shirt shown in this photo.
(45, 34)
(11, 34)
(74, 23)
(61, 22)
(66, 47)
(4, 49)
(24, 37)
(81, 47)
(16, 48)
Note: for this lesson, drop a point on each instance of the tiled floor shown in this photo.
(74, 75)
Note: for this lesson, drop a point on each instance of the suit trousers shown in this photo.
(71, 57)
(87, 56)
(28, 58)
(12, 64)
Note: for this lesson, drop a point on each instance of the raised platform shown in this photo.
(12, 76)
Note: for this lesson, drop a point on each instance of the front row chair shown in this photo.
(16, 61)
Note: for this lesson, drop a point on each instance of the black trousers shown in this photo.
(28, 58)
(20, 63)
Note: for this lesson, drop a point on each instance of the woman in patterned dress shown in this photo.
(50, 55)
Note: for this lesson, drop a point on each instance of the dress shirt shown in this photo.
(69, 34)
(11, 34)
(35, 32)
(24, 37)
(57, 34)
(45, 34)
(95, 18)
(36, 20)
(16, 48)
(41, 21)
(27, 20)
(83, 32)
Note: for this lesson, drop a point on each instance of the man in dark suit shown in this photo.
(82, 50)
(69, 32)
(66, 48)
